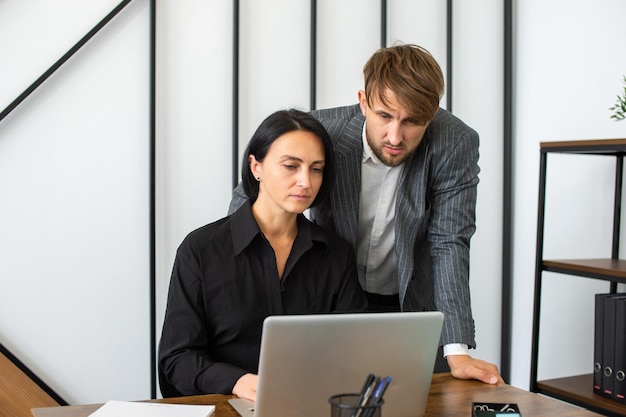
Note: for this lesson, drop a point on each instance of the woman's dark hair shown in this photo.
(273, 127)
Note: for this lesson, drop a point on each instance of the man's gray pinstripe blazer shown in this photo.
(435, 213)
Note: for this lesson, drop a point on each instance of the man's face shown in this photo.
(392, 133)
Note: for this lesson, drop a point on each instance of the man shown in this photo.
(405, 198)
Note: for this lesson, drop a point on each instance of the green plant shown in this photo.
(619, 109)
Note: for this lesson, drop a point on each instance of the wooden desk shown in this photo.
(449, 397)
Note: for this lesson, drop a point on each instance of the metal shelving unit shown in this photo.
(578, 389)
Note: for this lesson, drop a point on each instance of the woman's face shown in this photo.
(291, 174)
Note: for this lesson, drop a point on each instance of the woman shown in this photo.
(264, 259)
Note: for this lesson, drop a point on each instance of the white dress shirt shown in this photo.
(376, 258)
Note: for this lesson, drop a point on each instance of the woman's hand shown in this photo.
(245, 387)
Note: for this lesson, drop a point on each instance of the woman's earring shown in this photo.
(258, 179)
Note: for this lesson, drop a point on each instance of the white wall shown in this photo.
(569, 63)
(74, 156)
(74, 260)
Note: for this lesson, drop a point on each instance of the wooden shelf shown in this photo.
(598, 146)
(579, 390)
(607, 269)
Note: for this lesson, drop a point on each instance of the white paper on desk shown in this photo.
(138, 409)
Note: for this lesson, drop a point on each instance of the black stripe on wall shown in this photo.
(449, 55)
(507, 196)
(313, 57)
(383, 23)
(235, 120)
(153, 354)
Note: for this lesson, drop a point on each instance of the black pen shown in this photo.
(368, 381)
(367, 395)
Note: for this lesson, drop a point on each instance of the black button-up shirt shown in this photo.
(225, 283)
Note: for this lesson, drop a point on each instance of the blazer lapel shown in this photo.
(411, 214)
(345, 198)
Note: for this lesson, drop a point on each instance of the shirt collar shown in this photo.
(244, 229)
(367, 151)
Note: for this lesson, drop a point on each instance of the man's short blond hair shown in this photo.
(412, 73)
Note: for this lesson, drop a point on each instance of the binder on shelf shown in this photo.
(619, 381)
(597, 343)
(608, 344)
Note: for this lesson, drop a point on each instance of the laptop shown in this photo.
(305, 359)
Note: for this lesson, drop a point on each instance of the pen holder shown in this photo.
(347, 405)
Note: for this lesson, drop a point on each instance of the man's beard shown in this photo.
(385, 159)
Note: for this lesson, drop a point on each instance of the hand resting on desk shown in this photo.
(466, 367)
(461, 367)
(245, 387)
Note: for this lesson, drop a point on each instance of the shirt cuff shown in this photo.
(455, 349)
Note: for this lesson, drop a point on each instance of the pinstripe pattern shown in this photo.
(435, 213)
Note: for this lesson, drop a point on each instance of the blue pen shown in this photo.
(376, 398)
(380, 390)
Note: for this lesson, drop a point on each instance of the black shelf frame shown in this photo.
(610, 269)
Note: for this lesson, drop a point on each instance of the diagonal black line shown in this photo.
(62, 60)
(32, 376)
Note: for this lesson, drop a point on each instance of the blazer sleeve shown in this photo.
(452, 195)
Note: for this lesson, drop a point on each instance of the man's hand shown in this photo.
(245, 387)
(466, 367)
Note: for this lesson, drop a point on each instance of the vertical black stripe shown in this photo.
(153, 356)
(541, 211)
(235, 121)
(617, 204)
(313, 58)
(449, 55)
(617, 211)
(383, 23)
(507, 197)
